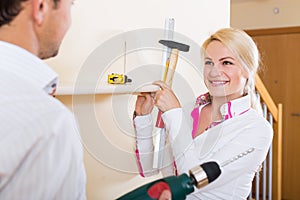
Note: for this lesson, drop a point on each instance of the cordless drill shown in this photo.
(180, 186)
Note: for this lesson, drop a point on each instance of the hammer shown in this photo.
(170, 68)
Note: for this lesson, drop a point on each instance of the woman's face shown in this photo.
(224, 76)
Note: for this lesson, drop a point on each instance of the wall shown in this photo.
(107, 132)
(259, 14)
(95, 21)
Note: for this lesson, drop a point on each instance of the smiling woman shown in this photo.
(224, 122)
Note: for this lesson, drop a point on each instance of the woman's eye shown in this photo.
(227, 63)
(208, 62)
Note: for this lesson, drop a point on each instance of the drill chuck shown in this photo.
(205, 174)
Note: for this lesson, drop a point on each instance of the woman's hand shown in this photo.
(165, 99)
(144, 103)
(165, 195)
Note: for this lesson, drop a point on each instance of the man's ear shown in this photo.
(40, 8)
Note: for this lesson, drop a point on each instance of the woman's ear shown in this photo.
(40, 8)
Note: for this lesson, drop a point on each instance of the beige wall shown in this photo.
(257, 14)
(95, 21)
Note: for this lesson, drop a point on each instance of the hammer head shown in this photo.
(175, 45)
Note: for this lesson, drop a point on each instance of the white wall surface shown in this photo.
(94, 22)
(257, 14)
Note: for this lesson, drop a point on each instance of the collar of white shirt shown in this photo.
(27, 66)
(236, 107)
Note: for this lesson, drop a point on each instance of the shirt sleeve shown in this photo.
(179, 129)
(144, 145)
(145, 148)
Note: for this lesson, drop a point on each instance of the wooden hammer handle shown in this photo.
(168, 79)
(172, 67)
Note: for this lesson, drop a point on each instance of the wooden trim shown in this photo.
(264, 94)
(273, 31)
(279, 153)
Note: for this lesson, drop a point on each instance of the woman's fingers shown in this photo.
(161, 84)
(144, 104)
(165, 195)
(165, 99)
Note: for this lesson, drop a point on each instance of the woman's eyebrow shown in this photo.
(228, 57)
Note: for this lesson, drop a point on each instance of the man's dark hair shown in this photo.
(9, 9)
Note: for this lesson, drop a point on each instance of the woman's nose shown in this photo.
(215, 71)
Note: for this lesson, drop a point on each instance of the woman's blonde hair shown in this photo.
(245, 50)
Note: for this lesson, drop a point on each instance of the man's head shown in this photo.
(36, 25)
(9, 9)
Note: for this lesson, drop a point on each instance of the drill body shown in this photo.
(180, 187)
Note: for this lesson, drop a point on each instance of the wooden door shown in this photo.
(280, 50)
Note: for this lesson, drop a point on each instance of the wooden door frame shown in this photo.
(273, 31)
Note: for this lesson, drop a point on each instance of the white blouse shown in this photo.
(242, 129)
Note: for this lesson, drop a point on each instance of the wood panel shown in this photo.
(281, 58)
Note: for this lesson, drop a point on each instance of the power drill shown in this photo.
(180, 186)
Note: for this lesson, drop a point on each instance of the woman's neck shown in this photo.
(215, 111)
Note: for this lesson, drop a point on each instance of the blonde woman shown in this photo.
(224, 122)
